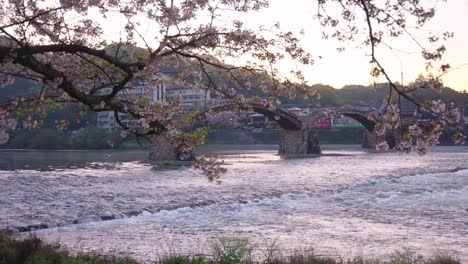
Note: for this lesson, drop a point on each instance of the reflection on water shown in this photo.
(57, 160)
(349, 202)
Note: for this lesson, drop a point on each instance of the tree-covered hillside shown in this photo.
(374, 96)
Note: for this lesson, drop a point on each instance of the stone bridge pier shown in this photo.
(163, 149)
(292, 142)
(299, 142)
(165, 152)
(392, 137)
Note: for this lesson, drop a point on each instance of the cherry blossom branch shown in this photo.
(29, 19)
(376, 61)
(431, 138)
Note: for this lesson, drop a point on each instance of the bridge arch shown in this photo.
(284, 119)
(298, 136)
(358, 115)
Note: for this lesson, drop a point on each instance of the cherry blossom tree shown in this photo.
(376, 24)
(64, 46)
(89, 51)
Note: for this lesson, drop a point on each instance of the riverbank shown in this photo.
(33, 250)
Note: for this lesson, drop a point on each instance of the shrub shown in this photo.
(443, 259)
(232, 251)
(183, 260)
(33, 251)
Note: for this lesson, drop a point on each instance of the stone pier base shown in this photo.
(299, 142)
(165, 155)
(163, 149)
(370, 139)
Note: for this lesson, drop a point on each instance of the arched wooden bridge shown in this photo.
(298, 135)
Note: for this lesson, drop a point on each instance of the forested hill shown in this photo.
(329, 96)
(374, 96)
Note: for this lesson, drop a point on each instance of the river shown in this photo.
(348, 202)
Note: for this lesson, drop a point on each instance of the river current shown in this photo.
(348, 202)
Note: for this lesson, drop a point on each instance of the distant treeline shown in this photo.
(375, 96)
(83, 138)
(329, 96)
(79, 130)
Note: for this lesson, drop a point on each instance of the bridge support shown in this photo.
(369, 140)
(164, 150)
(299, 142)
(392, 137)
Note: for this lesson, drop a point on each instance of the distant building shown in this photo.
(257, 120)
(190, 98)
(298, 111)
(106, 120)
(343, 121)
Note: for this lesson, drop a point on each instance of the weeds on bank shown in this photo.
(32, 250)
(311, 259)
(226, 251)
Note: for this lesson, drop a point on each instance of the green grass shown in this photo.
(32, 250)
(184, 260)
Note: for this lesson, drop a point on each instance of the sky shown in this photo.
(352, 65)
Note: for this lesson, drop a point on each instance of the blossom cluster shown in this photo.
(7, 124)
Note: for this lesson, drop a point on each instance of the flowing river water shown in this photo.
(349, 202)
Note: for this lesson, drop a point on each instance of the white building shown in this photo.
(190, 98)
(106, 120)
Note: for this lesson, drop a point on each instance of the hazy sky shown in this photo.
(352, 65)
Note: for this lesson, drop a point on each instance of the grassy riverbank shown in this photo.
(32, 250)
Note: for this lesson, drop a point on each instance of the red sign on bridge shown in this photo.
(323, 123)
